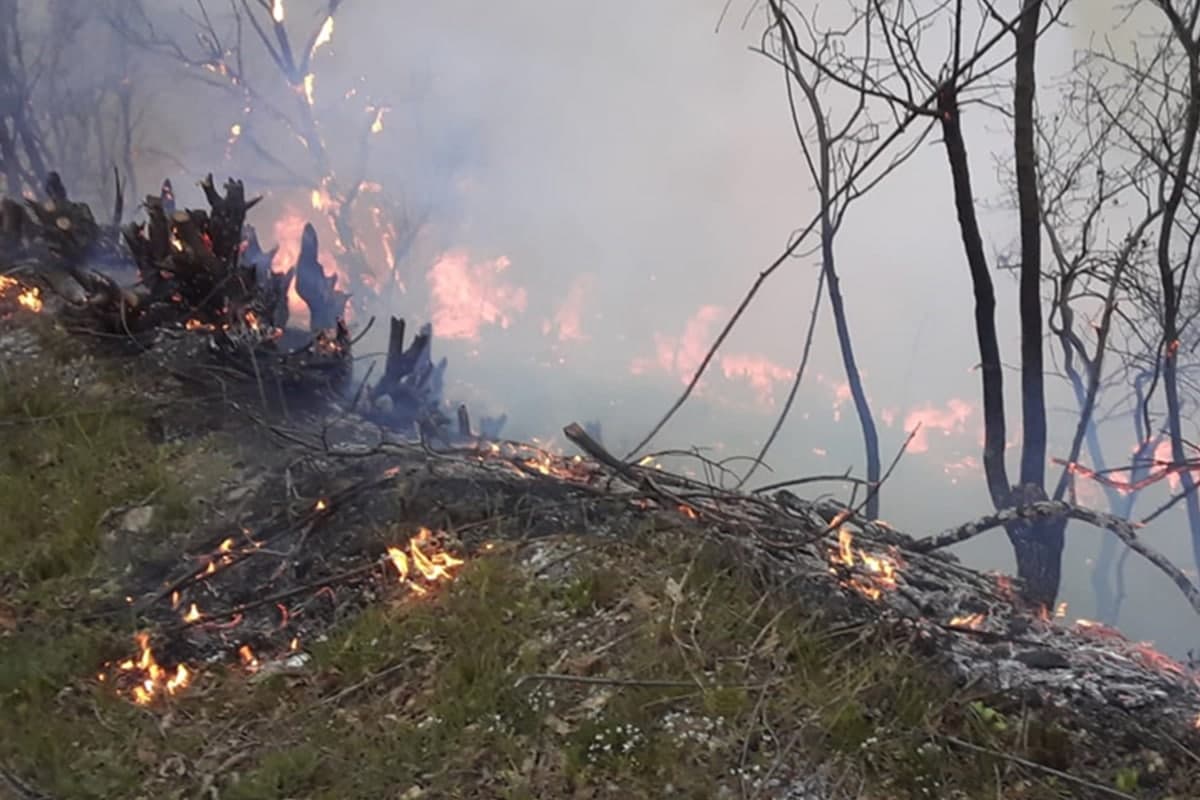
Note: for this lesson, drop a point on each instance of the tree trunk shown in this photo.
(985, 298)
(1033, 391)
(861, 406)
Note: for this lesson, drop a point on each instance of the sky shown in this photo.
(606, 180)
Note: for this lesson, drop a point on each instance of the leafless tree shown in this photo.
(247, 50)
(67, 101)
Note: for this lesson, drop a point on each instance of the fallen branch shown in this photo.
(1123, 529)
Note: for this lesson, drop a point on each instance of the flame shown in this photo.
(972, 621)
(323, 36)
(28, 297)
(249, 660)
(951, 419)
(31, 299)
(377, 124)
(192, 615)
(226, 545)
(688, 512)
(321, 505)
(152, 679)
(681, 356)
(309, 80)
(1061, 611)
(882, 569)
(277, 11)
(466, 296)
(400, 560)
(433, 565)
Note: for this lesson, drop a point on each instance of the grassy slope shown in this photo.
(424, 697)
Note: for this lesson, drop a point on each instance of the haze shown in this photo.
(638, 168)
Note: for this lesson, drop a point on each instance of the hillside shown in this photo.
(203, 597)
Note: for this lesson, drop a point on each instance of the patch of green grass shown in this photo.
(67, 462)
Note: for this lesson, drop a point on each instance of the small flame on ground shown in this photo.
(321, 505)
(882, 569)
(972, 621)
(28, 297)
(153, 680)
(249, 660)
(433, 565)
(277, 10)
(192, 615)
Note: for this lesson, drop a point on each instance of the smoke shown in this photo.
(632, 170)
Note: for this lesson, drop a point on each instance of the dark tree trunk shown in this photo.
(1170, 291)
(1038, 547)
(1033, 392)
(985, 299)
(853, 377)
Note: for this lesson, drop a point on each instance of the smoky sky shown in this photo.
(635, 162)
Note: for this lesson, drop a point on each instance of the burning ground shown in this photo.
(204, 599)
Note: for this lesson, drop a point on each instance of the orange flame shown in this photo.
(972, 621)
(882, 569)
(153, 680)
(433, 565)
(28, 297)
(192, 615)
(249, 660)
(466, 295)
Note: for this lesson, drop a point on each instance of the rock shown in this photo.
(136, 520)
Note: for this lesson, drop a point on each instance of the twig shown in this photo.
(374, 677)
(1099, 787)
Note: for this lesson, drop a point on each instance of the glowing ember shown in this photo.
(249, 660)
(972, 621)
(433, 565)
(192, 615)
(144, 679)
(321, 505)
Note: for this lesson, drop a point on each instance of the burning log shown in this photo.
(326, 303)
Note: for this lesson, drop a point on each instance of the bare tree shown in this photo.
(58, 111)
(247, 51)
(832, 153)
